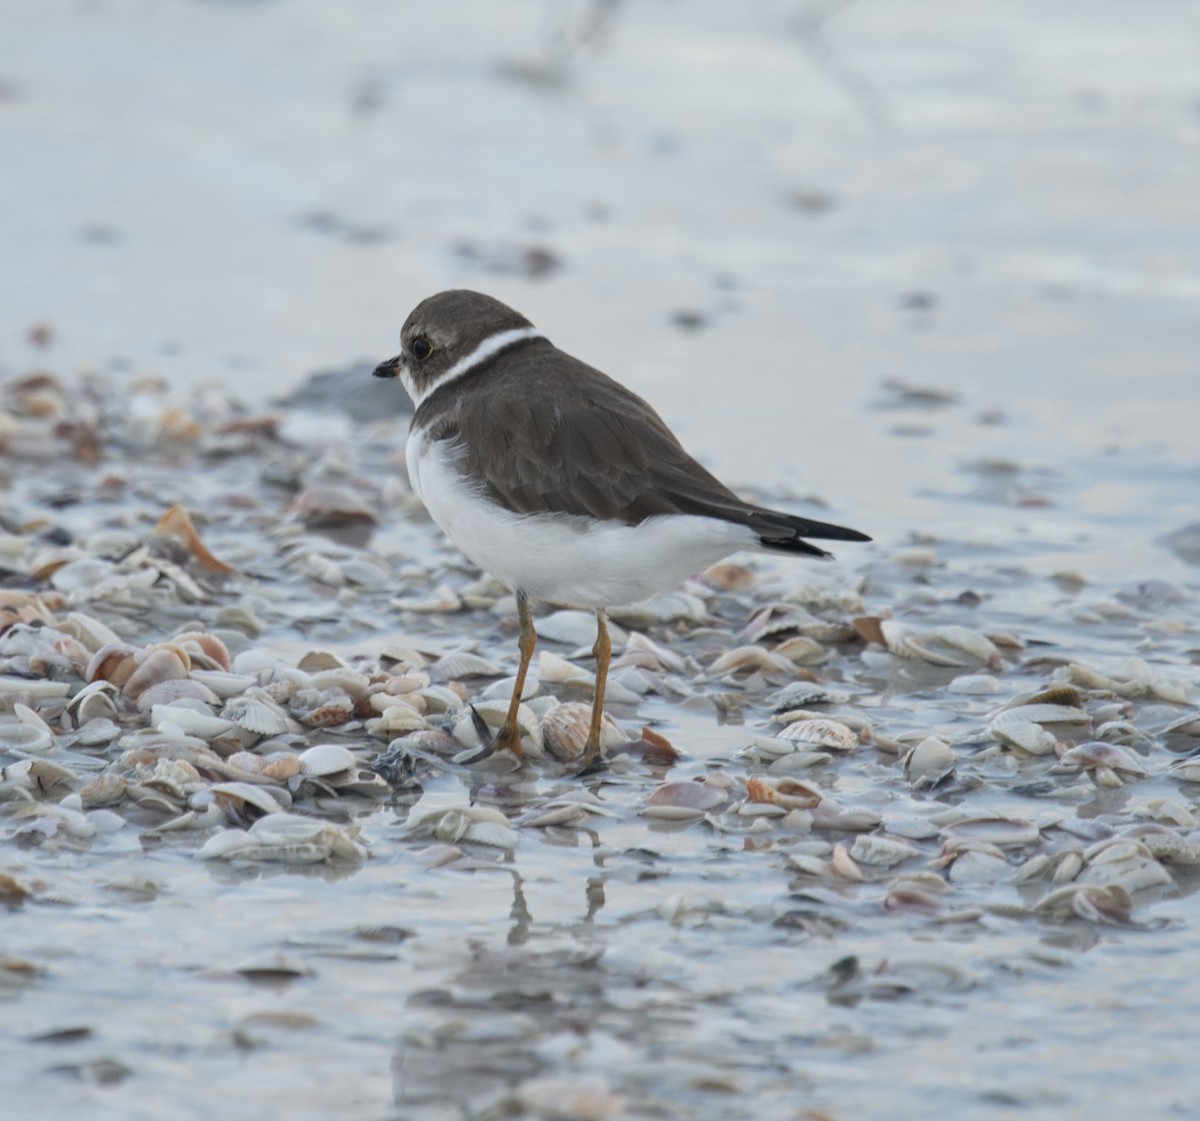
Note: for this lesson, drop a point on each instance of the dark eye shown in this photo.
(421, 347)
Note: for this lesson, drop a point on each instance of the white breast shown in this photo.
(560, 557)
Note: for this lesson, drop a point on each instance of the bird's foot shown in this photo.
(593, 762)
(507, 738)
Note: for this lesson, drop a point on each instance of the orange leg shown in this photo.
(603, 651)
(509, 735)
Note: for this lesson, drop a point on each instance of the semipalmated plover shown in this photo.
(557, 480)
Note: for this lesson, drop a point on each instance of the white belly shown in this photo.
(563, 558)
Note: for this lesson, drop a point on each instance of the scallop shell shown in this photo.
(804, 693)
(333, 710)
(256, 712)
(168, 692)
(104, 790)
(821, 733)
(565, 730)
(462, 663)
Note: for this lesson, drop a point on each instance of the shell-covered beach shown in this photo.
(912, 832)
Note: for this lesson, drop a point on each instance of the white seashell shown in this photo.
(910, 826)
(929, 762)
(821, 733)
(238, 793)
(327, 759)
(1033, 869)
(444, 600)
(554, 670)
(480, 824)
(1028, 737)
(750, 659)
(672, 607)
(88, 630)
(1095, 904)
(104, 790)
(1003, 832)
(39, 689)
(829, 814)
(154, 665)
(975, 685)
(647, 654)
(842, 864)
(1170, 811)
(688, 801)
(801, 650)
(440, 698)
(189, 721)
(942, 646)
(577, 629)
(98, 730)
(977, 866)
(286, 839)
(881, 851)
(224, 685)
(37, 775)
(1087, 756)
(19, 738)
(462, 663)
(94, 701)
(1040, 714)
(1069, 865)
(809, 864)
(397, 720)
(1187, 770)
(342, 678)
(801, 694)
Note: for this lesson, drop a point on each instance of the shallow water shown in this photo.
(997, 204)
